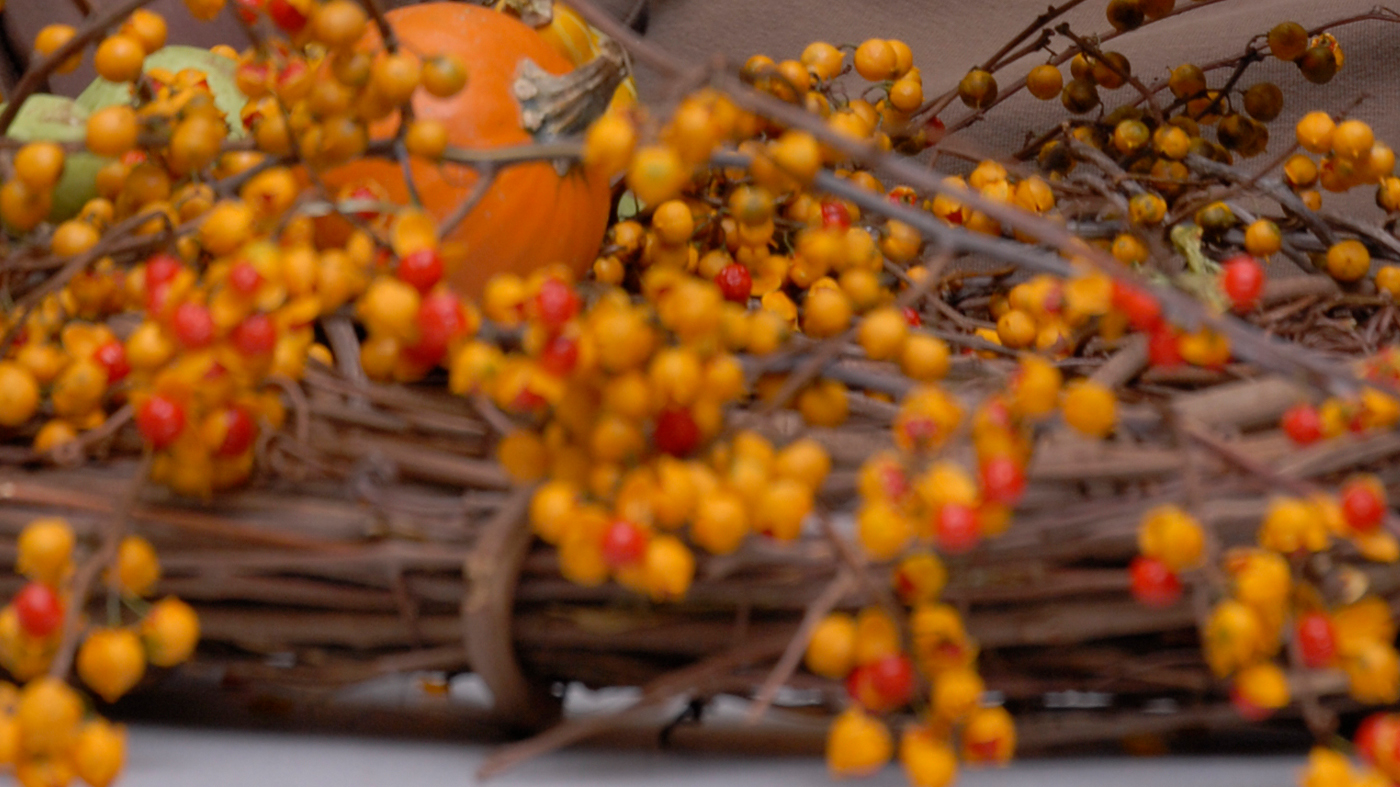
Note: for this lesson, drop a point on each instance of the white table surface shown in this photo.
(169, 756)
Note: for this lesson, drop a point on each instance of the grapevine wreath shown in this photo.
(412, 340)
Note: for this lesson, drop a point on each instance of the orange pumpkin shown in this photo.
(531, 216)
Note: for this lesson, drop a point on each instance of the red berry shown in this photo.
(422, 269)
(560, 356)
(1002, 480)
(861, 689)
(676, 432)
(1362, 507)
(286, 16)
(957, 528)
(835, 214)
(161, 269)
(244, 279)
(247, 10)
(735, 283)
(1242, 278)
(1153, 584)
(441, 319)
(892, 678)
(193, 326)
(39, 609)
(160, 419)
(934, 131)
(255, 335)
(1316, 640)
(911, 316)
(1164, 347)
(556, 304)
(1143, 311)
(1378, 732)
(624, 543)
(239, 431)
(111, 356)
(1302, 424)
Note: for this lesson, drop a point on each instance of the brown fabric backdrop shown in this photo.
(947, 36)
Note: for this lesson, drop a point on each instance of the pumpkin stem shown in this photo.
(558, 106)
(535, 13)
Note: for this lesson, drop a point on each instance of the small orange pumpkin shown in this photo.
(531, 216)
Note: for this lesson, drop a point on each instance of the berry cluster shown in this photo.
(44, 735)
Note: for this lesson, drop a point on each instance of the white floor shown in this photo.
(167, 757)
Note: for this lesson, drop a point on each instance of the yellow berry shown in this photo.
(831, 650)
(1090, 408)
(1348, 260)
(857, 744)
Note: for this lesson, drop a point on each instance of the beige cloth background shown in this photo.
(948, 37)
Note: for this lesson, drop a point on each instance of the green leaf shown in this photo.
(628, 206)
(54, 118)
(217, 69)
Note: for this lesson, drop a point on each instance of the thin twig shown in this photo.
(35, 78)
(787, 664)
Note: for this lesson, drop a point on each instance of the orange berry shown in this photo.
(826, 313)
(1045, 82)
(147, 27)
(797, 154)
(112, 131)
(608, 145)
(978, 90)
(111, 662)
(721, 523)
(169, 632)
(823, 59)
(1016, 329)
(1174, 537)
(883, 530)
(48, 712)
(927, 760)
(444, 75)
(19, 394)
(882, 333)
(919, 578)
(1090, 408)
(875, 60)
(1262, 238)
(831, 650)
(99, 751)
(426, 137)
(1351, 140)
(956, 693)
(989, 737)
(668, 567)
(673, 222)
(857, 744)
(656, 174)
(45, 550)
(924, 358)
(50, 38)
(781, 509)
(1348, 260)
(522, 455)
(339, 23)
(138, 568)
(119, 58)
(23, 208)
(39, 164)
(824, 403)
(1314, 132)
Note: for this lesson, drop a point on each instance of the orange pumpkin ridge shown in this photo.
(531, 216)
